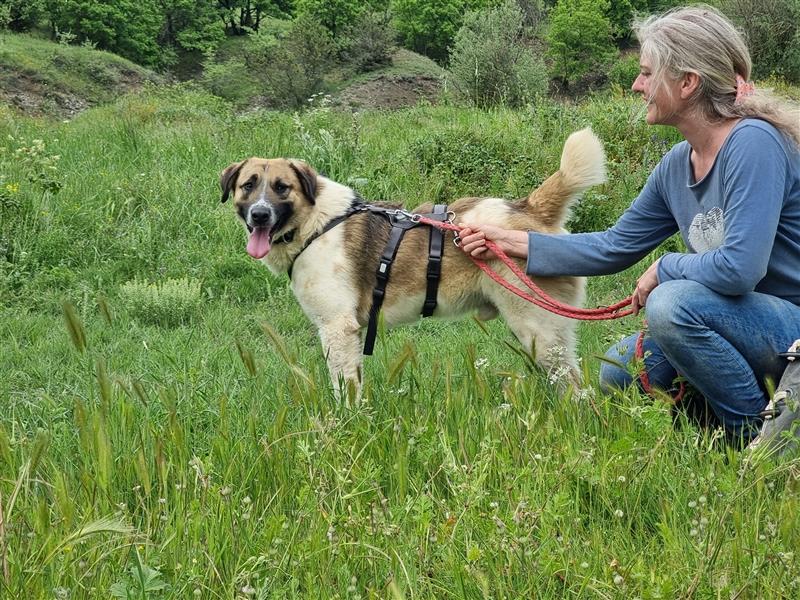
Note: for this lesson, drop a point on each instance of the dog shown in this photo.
(296, 223)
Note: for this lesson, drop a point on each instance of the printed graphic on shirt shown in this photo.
(706, 231)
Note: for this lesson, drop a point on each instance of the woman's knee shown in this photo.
(672, 305)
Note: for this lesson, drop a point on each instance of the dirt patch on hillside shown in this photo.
(35, 97)
(390, 92)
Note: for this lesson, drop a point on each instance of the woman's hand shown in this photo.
(473, 241)
(644, 285)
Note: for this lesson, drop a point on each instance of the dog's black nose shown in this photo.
(260, 215)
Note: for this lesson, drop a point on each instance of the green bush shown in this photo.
(623, 72)
(492, 61)
(294, 69)
(170, 303)
(333, 15)
(773, 33)
(228, 79)
(368, 43)
(480, 162)
(428, 27)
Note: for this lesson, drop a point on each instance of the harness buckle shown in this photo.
(434, 268)
(383, 269)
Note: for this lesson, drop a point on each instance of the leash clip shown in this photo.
(401, 214)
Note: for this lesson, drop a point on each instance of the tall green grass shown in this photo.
(206, 456)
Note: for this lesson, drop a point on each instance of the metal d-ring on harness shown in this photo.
(401, 222)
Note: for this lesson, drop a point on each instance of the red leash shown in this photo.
(552, 305)
(542, 300)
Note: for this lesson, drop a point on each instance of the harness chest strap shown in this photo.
(355, 208)
(399, 229)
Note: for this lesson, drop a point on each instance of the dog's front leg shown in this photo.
(341, 343)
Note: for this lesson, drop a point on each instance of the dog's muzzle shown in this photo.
(260, 215)
(260, 220)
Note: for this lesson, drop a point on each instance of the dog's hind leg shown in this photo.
(341, 343)
(551, 338)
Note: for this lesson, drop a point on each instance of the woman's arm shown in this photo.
(643, 226)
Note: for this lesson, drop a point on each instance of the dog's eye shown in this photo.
(247, 186)
(280, 187)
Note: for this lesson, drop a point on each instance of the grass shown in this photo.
(205, 456)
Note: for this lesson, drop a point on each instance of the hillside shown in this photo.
(43, 78)
(39, 77)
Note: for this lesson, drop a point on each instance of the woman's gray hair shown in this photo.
(700, 39)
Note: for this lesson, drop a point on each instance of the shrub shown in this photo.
(228, 79)
(492, 61)
(474, 161)
(368, 43)
(169, 303)
(624, 71)
(579, 39)
(773, 32)
(294, 68)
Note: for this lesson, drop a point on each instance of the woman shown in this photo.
(719, 314)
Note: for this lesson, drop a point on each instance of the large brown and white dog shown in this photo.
(284, 202)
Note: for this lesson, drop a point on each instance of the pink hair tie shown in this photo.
(743, 88)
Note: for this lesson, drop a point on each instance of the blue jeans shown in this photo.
(726, 347)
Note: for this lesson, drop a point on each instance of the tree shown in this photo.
(127, 27)
(620, 14)
(333, 15)
(189, 25)
(241, 16)
(293, 68)
(21, 15)
(579, 39)
(429, 27)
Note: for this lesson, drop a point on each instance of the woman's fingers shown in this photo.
(473, 242)
(635, 305)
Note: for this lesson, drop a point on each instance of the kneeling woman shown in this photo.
(719, 314)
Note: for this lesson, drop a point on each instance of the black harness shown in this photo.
(401, 222)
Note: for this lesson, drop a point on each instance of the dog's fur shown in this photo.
(334, 277)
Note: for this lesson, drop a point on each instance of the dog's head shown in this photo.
(271, 197)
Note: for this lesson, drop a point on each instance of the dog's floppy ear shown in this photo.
(227, 179)
(307, 177)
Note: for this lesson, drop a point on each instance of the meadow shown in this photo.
(168, 429)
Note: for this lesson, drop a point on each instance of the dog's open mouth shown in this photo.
(260, 242)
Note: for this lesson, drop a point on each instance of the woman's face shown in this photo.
(662, 101)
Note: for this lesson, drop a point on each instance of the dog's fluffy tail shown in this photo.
(583, 164)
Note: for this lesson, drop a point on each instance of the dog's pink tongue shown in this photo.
(258, 245)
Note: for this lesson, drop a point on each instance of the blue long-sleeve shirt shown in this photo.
(741, 222)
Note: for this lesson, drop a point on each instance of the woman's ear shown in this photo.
(689, 84)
